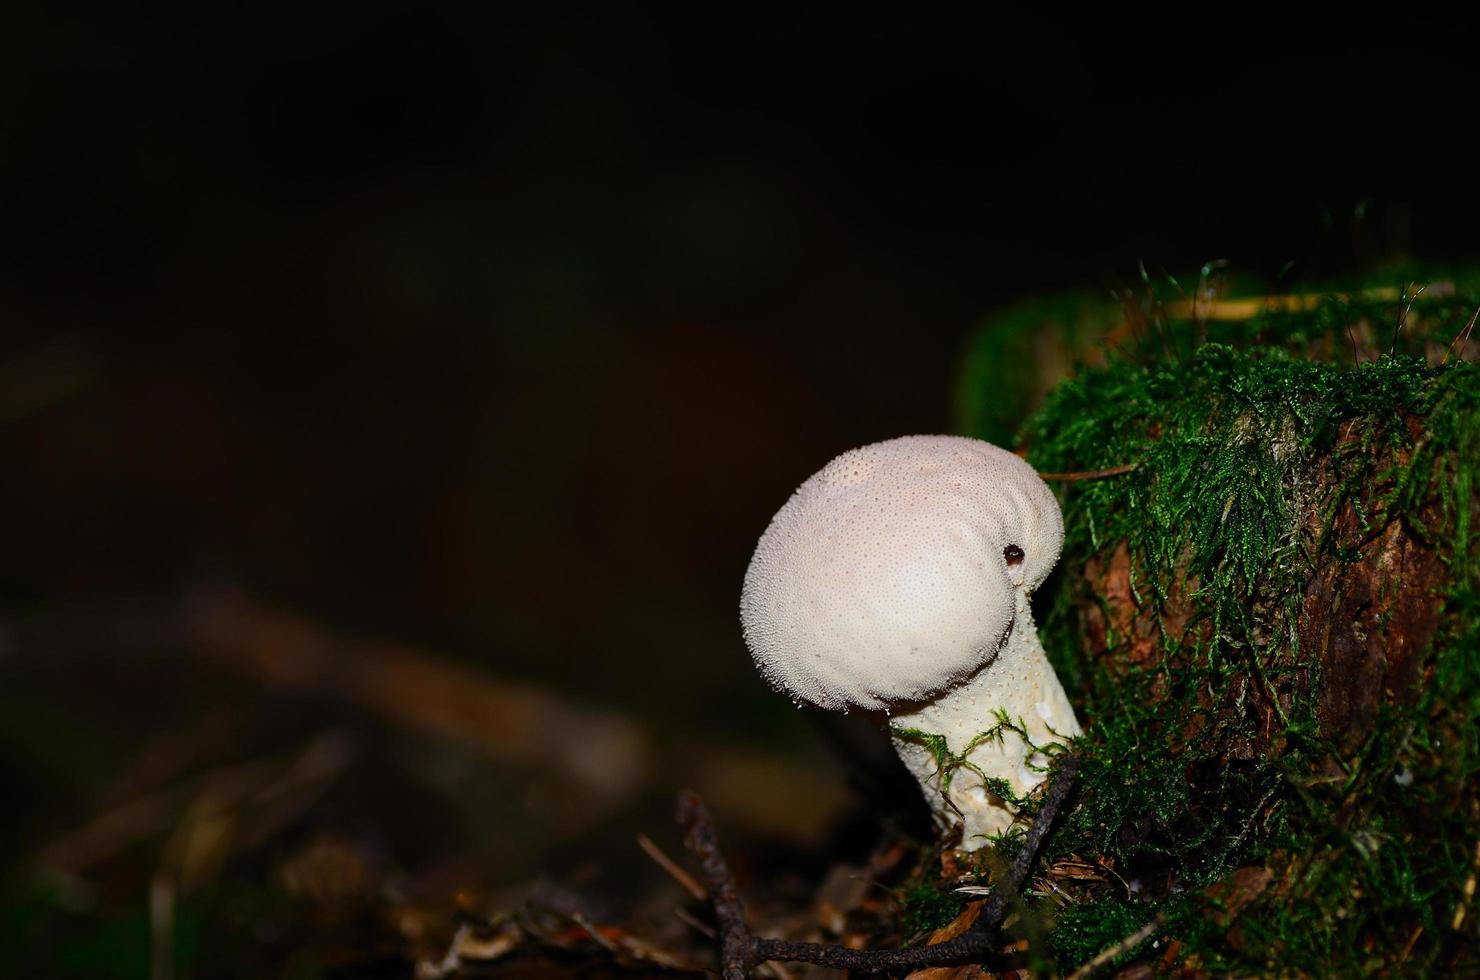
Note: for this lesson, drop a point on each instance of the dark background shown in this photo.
(502, 338)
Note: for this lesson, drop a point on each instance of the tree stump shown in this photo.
(1271, 627)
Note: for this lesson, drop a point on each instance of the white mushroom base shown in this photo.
(1020, 682)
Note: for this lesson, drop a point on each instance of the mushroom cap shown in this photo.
(883, 578)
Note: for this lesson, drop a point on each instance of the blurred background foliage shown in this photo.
(389, 404)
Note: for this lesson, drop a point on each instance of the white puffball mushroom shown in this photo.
(897, 579)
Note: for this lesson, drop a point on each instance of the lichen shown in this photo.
(1266, 452)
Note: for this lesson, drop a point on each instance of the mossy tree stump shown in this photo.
(1271, 628)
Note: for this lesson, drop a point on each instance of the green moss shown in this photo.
(1246, 451)
(995, 389)
(1082, 931)
(947, 763)
(928, 908)
(44, 938)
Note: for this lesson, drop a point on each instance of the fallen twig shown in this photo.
(683, 915)
(1467, 895)
(675, 872)
(1244, 308)
(740, 952)
(1087, 474)
(603, 752)
(1408, 946)
(593, 932)
(1463, 337)
(1124, 946)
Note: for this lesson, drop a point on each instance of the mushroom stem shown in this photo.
(993, 726)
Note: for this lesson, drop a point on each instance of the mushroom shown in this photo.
(897, 580)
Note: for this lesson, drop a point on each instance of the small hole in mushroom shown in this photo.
(1013, 554)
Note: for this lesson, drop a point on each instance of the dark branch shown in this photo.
(740, 951)
(737, 947)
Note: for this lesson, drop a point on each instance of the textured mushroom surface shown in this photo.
(885, 578)
(898, 578)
